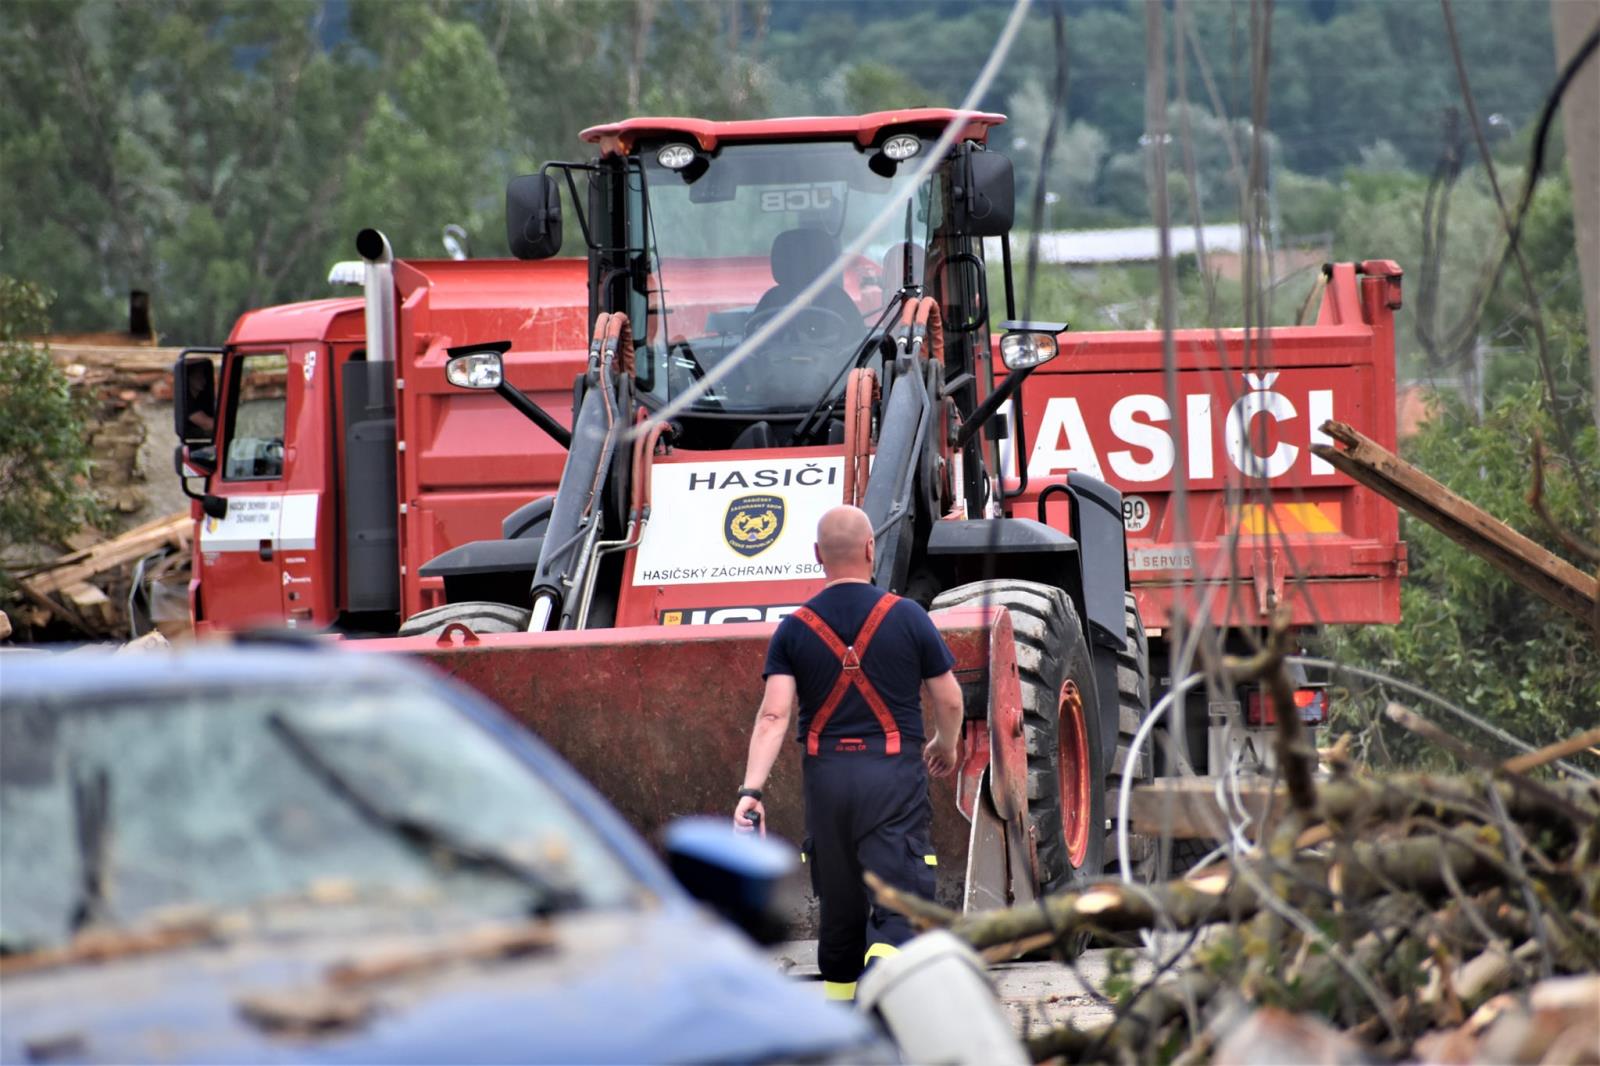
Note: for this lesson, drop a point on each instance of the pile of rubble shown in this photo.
(113, 585)
(121, 381)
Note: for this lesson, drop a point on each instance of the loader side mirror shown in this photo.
(1025, 345)
(475, 370)
(986, 205)
(194, 398)
(740, 876)
(533, 216)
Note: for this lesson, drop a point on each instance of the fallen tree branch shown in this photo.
(1571, 541)
(1419, 725)
(1521, 764)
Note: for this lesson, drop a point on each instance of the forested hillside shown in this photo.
(221, 153)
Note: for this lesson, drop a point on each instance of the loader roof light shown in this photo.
(901, 147)
(675, 156)
(475, 370)
(1029, 344)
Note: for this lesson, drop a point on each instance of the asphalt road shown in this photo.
(1036, 995)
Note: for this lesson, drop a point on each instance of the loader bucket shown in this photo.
(658, 717)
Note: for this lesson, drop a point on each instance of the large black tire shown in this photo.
(1133, 703)
(479, 616)
(1053, 663)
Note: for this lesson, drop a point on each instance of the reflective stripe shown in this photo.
(880, 950)
(931, 860)
(840, 990)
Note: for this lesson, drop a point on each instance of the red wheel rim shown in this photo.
(1073, 768)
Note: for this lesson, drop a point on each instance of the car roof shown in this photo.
(89, 671)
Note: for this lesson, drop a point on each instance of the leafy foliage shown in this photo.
(1471, 634)
(44, 453)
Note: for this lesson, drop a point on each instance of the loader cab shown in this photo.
(703, 233)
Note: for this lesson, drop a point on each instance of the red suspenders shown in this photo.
(850, 673)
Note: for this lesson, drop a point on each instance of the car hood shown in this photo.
(666, 984)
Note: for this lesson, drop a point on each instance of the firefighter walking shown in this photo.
(859, 662)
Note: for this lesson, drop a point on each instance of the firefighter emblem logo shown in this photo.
(753, 523)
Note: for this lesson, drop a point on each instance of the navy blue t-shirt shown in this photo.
(906, 650)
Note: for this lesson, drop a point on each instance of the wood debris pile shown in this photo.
(118, 380)
(88, 591)
(1381, 918)
(116, 372)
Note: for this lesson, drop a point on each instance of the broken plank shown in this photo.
(1531, 565)
(175, 530)
(90, 601)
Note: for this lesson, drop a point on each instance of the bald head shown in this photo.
(844, 543)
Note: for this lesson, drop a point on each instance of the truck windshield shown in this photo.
(734, 238)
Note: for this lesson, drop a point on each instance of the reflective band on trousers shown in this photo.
(880, 951)
(841, 990)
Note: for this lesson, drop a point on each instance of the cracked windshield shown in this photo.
(368, 802)
(739, 234)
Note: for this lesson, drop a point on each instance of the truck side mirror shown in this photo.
(198, 463)
(986, 206)
(194, 396)
(533, 216)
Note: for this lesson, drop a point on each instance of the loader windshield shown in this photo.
(734, 237)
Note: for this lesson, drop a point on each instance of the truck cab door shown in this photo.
(267, 560)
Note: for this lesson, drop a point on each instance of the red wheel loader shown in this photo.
(624, 610)
(871, 385)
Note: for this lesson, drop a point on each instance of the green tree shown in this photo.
(44, 451)
(1073, 169)
(874, 87)
(221, 155)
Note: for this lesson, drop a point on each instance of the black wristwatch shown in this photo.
(753, 793)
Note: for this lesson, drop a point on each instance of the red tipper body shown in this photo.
(1266, 519)
(468, 458)
(465, 459)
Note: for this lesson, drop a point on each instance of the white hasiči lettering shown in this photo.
(1198, 408)
(1064, 442)
(1319, 408)
(1260, 401)
(1143, 422)
(1152, 438)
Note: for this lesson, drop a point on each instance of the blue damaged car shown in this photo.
(274, 855)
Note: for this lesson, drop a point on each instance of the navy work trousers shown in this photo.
(865, 811)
